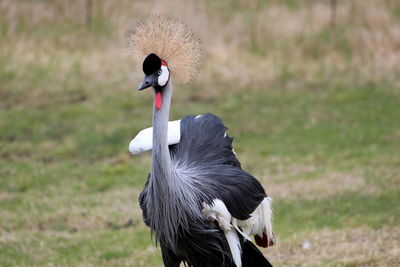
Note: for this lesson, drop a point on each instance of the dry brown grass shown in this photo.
(325, 186)
(361, 246)
(300, 41)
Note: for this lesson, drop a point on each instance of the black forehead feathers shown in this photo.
(151, 64)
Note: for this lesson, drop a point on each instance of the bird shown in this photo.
(201, 206)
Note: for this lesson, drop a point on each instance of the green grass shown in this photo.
(68, 109)
(347, 210)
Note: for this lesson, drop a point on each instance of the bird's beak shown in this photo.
(149, 80)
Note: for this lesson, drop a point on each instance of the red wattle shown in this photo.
(158, 100)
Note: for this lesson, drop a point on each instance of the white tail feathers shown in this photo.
(267, 213)
(260, 221)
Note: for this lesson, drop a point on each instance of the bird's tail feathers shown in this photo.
(267, 237)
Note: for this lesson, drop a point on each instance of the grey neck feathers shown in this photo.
(172, 199)
(161, 163)
(161, 197)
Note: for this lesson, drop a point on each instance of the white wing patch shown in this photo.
(259, 222)
(143, 141)
(234, 245)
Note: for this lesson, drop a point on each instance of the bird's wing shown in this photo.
(142, 202)
(205, 155)
(204, 141)
(143, 141)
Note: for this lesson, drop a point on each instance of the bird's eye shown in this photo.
(159, 72)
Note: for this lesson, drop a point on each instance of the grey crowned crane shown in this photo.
(200, 205)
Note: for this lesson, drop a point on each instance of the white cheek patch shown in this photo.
(163, 78)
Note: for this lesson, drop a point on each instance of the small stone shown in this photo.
(306, 245)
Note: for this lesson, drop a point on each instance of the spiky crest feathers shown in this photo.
(169, 39)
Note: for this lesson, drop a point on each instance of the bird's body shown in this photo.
(186, 179)
(200, 205)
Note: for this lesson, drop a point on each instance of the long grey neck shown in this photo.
(172, 202)
(161, 159)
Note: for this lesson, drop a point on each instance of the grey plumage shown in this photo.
(200, 168)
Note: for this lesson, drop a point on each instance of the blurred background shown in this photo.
(309, 89)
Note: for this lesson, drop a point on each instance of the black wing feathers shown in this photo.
(240, 192)
(142, 202)
(203, 140)
(205, 145)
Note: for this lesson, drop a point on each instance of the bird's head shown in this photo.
(169, 48)
(156, 74)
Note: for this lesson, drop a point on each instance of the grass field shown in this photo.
(314, 108)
